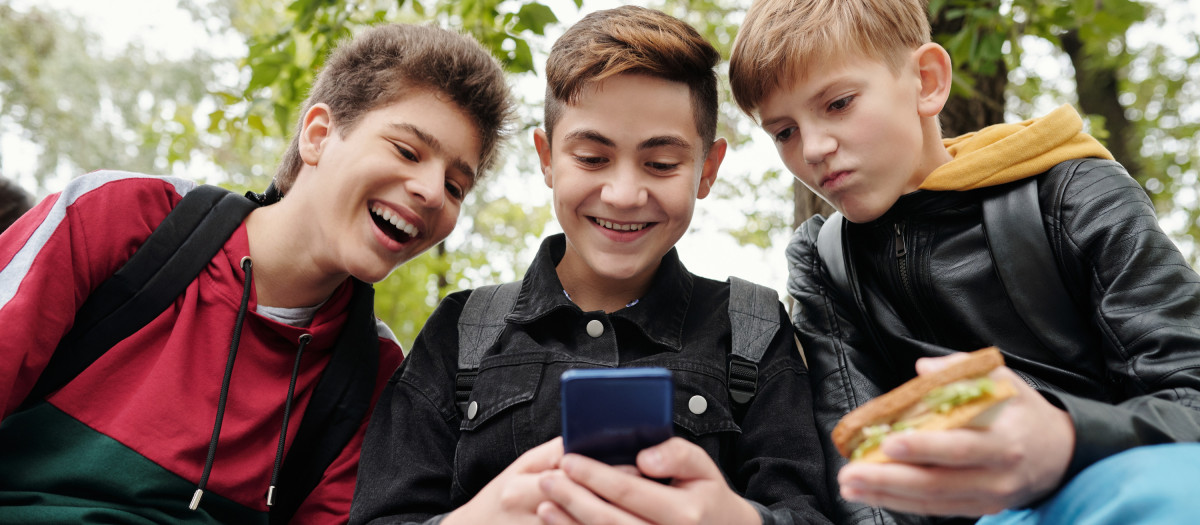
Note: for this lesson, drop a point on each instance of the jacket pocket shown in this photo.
(489, 439)
(498, 388)
(702, 404)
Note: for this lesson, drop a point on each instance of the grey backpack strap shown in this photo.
(832, 251)
(479, 327)
(1012, 221)
(753, 322)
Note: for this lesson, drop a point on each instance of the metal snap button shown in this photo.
(472, 410)
(697, 404)
(595, 328)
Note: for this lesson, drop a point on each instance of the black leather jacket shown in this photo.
(1132, 379)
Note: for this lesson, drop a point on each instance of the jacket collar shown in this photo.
(659, 314)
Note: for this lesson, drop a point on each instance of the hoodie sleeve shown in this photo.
(1145, 300)
(58, 252)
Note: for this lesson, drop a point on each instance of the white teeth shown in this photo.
(399, 223)
(621, 227)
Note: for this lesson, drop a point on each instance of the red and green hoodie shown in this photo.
(126, 441)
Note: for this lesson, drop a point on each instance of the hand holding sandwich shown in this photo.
(1018, 458)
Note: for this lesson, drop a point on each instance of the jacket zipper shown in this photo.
(901, 251)
(906, 282)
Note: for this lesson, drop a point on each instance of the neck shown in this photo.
(285, 273)
(593, 292)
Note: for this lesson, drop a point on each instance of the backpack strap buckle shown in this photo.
(464, 381)
(742, 379)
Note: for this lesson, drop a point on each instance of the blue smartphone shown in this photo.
(610, 414)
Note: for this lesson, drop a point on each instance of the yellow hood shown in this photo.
(1007, 152)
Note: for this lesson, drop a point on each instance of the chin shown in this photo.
(859, 213)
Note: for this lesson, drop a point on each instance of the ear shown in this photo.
(712, 163)
(933, 68)
(541, 142)
(318, 127)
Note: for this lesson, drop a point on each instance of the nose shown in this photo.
(427, 185)
(624, 188)
(818, 145)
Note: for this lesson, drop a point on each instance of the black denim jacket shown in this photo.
(421, 459)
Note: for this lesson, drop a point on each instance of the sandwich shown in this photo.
(961, 395)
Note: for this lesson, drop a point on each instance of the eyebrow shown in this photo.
(665, 140)
(590, 136)
(650, 143)
(434, 144)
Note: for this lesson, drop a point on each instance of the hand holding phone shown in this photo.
(611, 414)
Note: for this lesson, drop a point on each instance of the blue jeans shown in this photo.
(1145, 485)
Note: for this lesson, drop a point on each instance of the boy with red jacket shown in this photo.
(188, 419)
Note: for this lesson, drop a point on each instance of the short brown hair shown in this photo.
(781, 39)
(387, 62)
(633, 39)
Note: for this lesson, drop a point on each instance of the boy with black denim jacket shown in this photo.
(851, 93)
(628, 148)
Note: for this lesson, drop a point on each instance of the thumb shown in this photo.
(540, 458)
(679, 459)
(931, 365)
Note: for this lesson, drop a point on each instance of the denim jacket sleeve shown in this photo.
(407, 464)
(779, 464)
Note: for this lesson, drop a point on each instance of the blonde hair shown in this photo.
(781, 39)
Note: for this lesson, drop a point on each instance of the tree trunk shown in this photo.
(983, 103)
(1096, 86)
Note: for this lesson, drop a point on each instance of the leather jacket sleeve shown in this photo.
(1129, 281)
(1145, 301)
(830, 329)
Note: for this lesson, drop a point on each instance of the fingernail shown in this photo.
(894, 447)
(546, 483)
(652, 457)
(567, 462)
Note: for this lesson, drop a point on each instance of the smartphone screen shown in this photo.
(610, 414)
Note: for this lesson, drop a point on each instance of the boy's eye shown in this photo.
(662, 166)
(784, 134)
(841, 103)
(591, 162)
(457, 192)
(406, 153)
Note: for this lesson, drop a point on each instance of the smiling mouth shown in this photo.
(618, 227)
(392, 225)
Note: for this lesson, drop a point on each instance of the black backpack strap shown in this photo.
(338, 407)
(1021, 253)
(753, 322)
(161, 269)
(831, 249)
(479, 327)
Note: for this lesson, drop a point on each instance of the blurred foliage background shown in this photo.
(226, 119)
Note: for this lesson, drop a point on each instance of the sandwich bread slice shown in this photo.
(961, 395)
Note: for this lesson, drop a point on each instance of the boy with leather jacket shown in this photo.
(850, 92)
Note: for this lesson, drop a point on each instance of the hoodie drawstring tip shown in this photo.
(195, 504)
